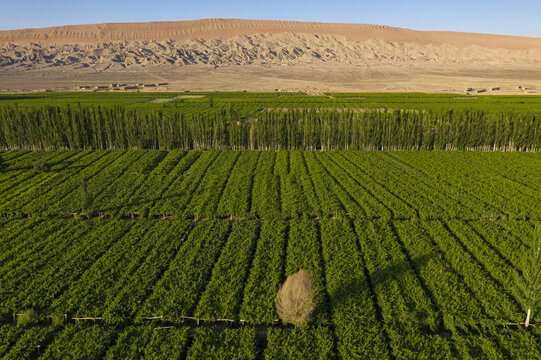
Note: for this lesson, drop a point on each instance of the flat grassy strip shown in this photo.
(37, 254)
(223, 294)
(498, 304)
(178, 291)
(30, 343)
(130, 343)
(141, 201)
(169, 162)
(325, 187)
(207, 197)
(234, 344)
(349, 201)
(179, 194)
(11, 232)
(91, 293)
(266, 202)
(471, 204)
(66, 199)
(128, 184)
(31, 187)
(298, 193)
(266, 274)
(473, 178)
(405, 188)
(376, 185)
(300, 343)
(304, 252)
(18, 173)
(490, 258)
(498, 237)
(372, 206)
(147, 342)
(45, 193)
(81, 341)
(9, 335)
(44, 290)
(130, 293)
(359, 333)
(409, 315)
(458, 305)
(237, 195)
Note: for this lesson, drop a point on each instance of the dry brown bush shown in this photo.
(295, 300)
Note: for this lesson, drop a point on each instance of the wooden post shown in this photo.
(527, 322)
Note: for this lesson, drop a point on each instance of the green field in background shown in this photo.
(248, 102)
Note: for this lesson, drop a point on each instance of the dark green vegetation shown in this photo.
(269, 121)
(118, 128)
(413, 254)
(178, 254)
(273, 185)
(250, 103)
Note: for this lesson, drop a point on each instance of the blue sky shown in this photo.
(512, 17)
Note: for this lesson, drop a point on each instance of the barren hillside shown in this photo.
(210, 48)
(227, 28)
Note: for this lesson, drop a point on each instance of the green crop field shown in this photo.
(117, 248)
(249, 102)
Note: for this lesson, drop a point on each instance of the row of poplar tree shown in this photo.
(96, 127)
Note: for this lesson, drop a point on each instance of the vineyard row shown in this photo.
(273, 185)
(383, 288)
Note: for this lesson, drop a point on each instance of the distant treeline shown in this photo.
(96, 127)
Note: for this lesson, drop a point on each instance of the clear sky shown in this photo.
(510, 17)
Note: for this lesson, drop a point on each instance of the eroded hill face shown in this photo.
(290, 49)
(256, 55)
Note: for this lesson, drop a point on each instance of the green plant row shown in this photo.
(283, 184)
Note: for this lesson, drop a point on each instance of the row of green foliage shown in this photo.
(248, 103)
(386, 288)
(268, 184)
(118, 128)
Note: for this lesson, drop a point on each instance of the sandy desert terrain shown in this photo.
(219, 54)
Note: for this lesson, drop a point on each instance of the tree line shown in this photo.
(97, 127)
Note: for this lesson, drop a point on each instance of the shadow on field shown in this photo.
(16, 98)
(367, 286)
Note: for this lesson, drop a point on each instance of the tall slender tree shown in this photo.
(529, 282)
(86, 196)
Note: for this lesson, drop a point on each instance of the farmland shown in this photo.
(413, 253)
(248, 103)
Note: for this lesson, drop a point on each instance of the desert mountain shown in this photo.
(167, 49)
